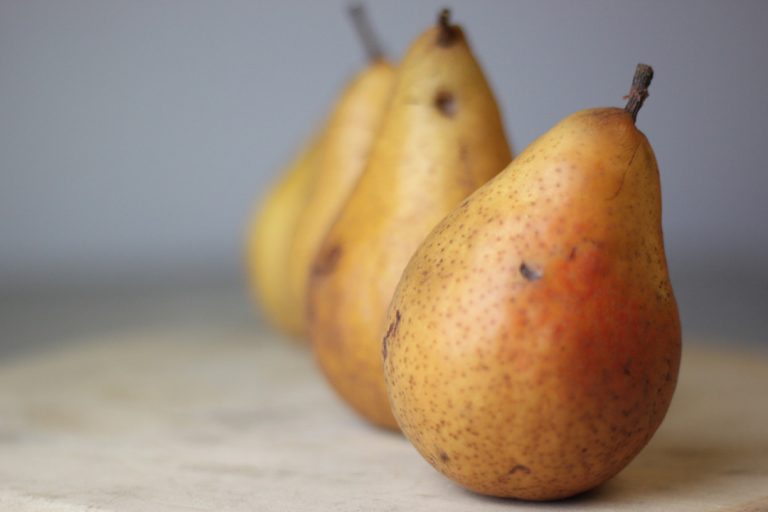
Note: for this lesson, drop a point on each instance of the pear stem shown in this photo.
(447, 32)
(639, 90)
(365, 32)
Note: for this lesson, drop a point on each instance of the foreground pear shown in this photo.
(442, 138)
(349, 137)
(533, 343)
(269, 237)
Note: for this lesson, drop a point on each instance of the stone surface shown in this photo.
(216, 418)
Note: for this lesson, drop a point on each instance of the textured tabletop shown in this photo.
(233, 420)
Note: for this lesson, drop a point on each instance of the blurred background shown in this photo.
(135, 137)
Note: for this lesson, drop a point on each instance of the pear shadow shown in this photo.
(584, 498)
(671, 465)
(668, 467)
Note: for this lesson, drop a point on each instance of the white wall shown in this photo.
(134, 135)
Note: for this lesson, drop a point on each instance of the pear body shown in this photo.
(349, 135)
(533, 343)
(269, 238)
(441, 139)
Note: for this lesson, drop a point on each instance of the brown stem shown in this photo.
(447, 32)
(639, 90)
(365, 32)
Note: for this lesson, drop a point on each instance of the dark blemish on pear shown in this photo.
(520, 468)
(464, 157)
(391, 331)
(445, 103)
(327, 262)
(444, 456)
(626, 367)
(530, 273)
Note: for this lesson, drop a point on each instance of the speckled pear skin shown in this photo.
(532, 346)
(441, 139)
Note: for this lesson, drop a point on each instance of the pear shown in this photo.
(533, 344)
(269, 238)
(285, 232)
(349, 137)
(441, 139)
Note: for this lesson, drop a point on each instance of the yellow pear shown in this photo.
(269, 238)
(348, 140)
(286, 231)
(441, 139)
(533, 342)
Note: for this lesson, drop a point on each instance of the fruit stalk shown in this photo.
(365, 31)
(447, 32)
(639, 90)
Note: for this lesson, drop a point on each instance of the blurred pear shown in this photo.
(270, 235)
(349, 136)
(442, 139)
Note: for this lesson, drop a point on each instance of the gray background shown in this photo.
(135, 135)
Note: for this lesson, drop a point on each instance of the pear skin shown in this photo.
(349, 136)
(533, 343)
(269, 238)
(441, 139)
